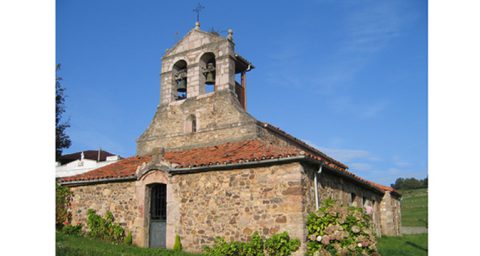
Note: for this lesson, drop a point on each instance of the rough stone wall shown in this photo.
(219, 118)
(117, 197)
(235, 203)
(340, 189)
(390, 215)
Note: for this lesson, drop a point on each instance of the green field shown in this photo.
(69, 245)
(406, 245)
(415, 207)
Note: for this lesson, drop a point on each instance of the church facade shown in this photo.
(205, 167)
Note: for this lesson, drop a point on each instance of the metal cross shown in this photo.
(198, 9)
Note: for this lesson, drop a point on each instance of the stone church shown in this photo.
(205, 167)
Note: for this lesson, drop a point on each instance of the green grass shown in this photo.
(69, 245)
(415, 207)
(406, 245)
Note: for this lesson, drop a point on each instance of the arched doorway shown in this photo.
(158, 215)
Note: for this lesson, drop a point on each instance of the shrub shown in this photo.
(177, 246)
(63, 197)
(72, 230)
(281, 245)
(278, 244)
(340, 230)
(104, 228)
(128, 238)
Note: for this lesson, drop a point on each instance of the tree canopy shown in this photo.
(410, 183)
(62, 139)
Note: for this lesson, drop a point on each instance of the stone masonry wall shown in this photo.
(340, 189)
(390, 215)
(235, 203)
(220, 118)
(117, 197)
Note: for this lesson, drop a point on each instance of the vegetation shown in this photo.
(278, 245)
(62, 203)
(128, 238)
(415, 208)
(406, 245)
(410, 183)
(70, 245)
(340, 230)
(73, 230)
(61, 138)
(177, 246)
(104, 228)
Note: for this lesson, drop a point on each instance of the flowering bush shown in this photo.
(340, 230)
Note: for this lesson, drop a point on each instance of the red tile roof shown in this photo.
(120, 169)
(228, 153)
(302, 144)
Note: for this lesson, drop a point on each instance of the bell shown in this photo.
(182, 85)
(210, 74)
(210, 79)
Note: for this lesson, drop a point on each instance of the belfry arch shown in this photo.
(180, 73)
(208, 73)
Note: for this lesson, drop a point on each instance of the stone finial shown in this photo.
(197, 25)
(157, 155)
(230, 34)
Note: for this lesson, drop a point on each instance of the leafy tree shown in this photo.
(62, 139)
(410, 183)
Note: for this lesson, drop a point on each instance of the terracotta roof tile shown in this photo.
(233, 152)
(305, 146)
(228, 153)
(120, 169)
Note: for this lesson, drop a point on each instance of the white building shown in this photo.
(81, 162)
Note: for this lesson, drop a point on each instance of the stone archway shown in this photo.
(144, 186)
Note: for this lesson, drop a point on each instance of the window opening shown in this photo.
(191, 125)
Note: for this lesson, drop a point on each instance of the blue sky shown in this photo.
(349, 77)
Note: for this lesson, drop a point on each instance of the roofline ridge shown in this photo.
(301, 142)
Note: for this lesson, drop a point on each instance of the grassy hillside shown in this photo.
(415, 207)
(406, 245)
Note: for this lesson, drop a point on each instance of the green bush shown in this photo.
(177, 246)
(128, 238)
(63, 197)
(340, 230)
(277, 245)
(281, 245)
(104, 228)
(72, 230)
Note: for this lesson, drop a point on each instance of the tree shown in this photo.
(410, 183)
(62, 139)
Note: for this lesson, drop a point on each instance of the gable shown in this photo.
(193, 39)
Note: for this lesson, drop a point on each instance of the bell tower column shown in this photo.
(225, 79)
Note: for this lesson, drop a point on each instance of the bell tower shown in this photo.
(201, 63)
(199, 97)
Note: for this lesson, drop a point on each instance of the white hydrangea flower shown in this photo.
(319, 238)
